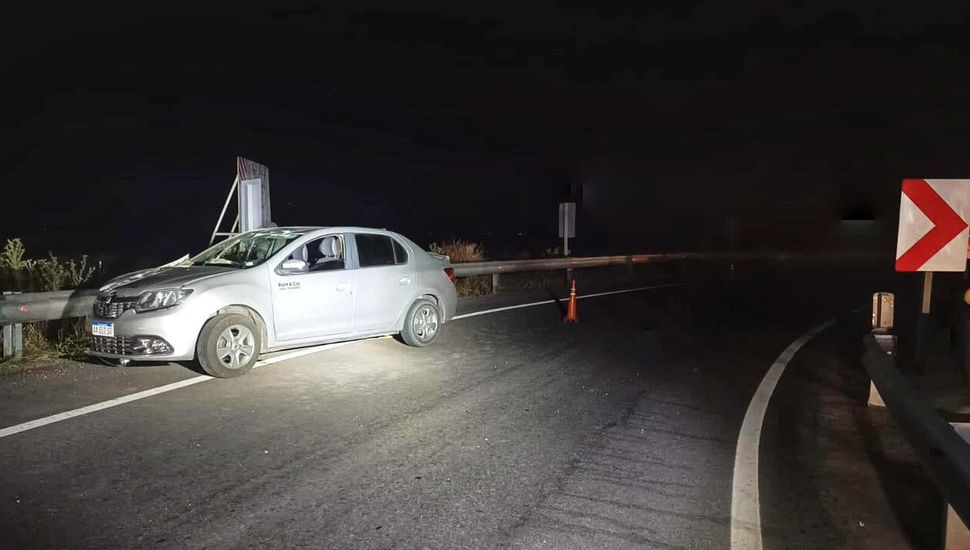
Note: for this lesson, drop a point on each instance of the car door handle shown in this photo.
(404, 280)
(343, 287)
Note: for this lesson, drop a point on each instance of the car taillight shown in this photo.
(450, 272)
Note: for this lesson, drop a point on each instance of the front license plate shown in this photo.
(103, 328)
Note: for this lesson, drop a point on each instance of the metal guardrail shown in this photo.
(944, 454)
(472, 269)
(48, 306)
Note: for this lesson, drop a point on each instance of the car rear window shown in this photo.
(374, 250)
(400, 255)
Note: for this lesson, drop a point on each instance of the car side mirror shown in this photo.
(292, 266)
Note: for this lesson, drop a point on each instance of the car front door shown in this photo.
(385, 282)
(313, 291)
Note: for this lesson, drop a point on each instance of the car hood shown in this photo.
(162, 277)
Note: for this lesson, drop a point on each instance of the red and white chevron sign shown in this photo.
(933, 233)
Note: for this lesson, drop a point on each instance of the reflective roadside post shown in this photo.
(883, 311)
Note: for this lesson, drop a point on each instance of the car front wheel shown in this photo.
(421, 324)
(228, 345)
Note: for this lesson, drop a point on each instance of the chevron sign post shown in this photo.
(933, 236)
(933, 233)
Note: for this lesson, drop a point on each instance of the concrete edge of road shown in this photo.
(745, 492)
(285, 356)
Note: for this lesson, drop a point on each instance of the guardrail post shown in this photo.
(495, 283)
(13, 341)
(13, 338)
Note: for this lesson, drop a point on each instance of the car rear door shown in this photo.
(385, 282)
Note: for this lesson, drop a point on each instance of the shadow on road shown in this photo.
(114, 363)
(559, 302)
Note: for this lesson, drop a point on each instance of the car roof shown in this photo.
(331, 229)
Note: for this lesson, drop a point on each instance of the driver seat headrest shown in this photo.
(331, 247)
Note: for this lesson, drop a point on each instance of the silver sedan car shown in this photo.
(273, 289)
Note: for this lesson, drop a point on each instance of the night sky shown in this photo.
(121, 124)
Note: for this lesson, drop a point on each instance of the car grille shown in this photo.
(118, 345)
(108, 308)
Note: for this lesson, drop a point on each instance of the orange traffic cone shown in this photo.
(571, 310)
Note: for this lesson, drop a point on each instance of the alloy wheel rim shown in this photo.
(235, 346)
(425, 323)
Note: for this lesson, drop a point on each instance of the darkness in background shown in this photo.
(695, 125)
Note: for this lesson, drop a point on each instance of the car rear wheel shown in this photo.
(228, 345)
(421, 324)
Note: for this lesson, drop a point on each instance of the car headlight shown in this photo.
(152, 300)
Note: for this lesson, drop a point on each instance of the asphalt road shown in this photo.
(513, 430)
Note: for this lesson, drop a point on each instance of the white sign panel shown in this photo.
(250, 204)
(567, 219)
(933, 233)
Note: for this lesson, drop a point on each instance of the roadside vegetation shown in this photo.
(21, 273)
(460, 252)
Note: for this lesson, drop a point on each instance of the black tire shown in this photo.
(418, 331)
(213, 342)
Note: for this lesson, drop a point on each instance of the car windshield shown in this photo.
(246, 250)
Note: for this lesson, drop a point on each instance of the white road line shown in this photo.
(624, 291)
(17, 428)
(299, 353)
(32, 424)
(74, 413)
(544, 302)
(745, 498)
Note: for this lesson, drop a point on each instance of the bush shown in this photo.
(14, 268)
(55, 274)
(36, 343)
(64, 337)
(21, 274)
(460, 252)
(12, 256)
(72, 338)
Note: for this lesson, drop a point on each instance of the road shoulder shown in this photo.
(836, 473)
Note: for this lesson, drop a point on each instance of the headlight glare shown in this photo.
(152, 300)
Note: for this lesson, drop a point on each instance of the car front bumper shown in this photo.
(167, 326)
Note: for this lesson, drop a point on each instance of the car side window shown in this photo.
(400, 255)
(374, 250)
(323, 254)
